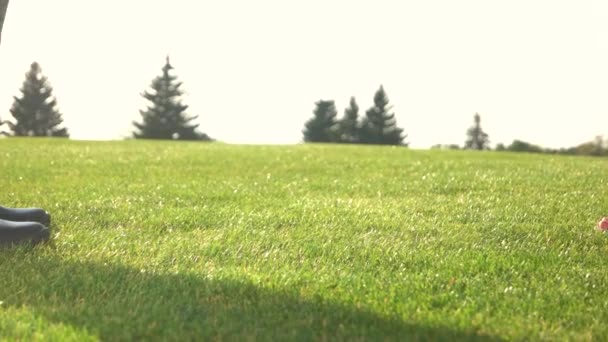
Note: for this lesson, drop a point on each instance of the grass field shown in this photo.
(188, 241)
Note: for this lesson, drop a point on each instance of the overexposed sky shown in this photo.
(535, 70)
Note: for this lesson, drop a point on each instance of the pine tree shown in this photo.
(477, 139)
(379, 126)
(322, 127)
(348, 126)
(3, 8)
(165, 118)
(36, 112)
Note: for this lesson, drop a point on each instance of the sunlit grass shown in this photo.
(184, 241)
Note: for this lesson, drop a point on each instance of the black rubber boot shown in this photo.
(25, 215)
(13, 233)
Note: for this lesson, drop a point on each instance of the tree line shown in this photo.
(378, 126)
(477, 139)
(36, 113)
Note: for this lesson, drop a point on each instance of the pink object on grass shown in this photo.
(603, 224)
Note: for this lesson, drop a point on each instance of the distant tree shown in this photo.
(35, 112)
(600, 146)
(477, 139)
(522, 146)
(571, 151)
(445, 147)
(597, 147)
(322, 127)
(348, 126)
(3, 8)
(500, 147)
(165, 117)
(379, 126)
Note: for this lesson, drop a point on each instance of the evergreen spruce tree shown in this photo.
(477, 139)
(379, 126)
(3, 8)
(348, 126)
(322, 127)
(165, 118)
(36, 112)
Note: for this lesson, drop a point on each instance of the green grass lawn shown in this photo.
(188, 241)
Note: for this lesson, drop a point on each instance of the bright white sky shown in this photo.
(535, 70)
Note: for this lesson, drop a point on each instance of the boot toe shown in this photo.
(41, 216)
(35, 215)
(22, 232)
(26, 214)
(42, 235)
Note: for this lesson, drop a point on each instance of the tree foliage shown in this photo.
(477, 139)
(35, 112)
(323, 126)
(523, 146)
(165, 117)
(597, 147)
(379, 126)
(3, 9)
(348, 126)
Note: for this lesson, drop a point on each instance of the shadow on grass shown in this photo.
(119, 303)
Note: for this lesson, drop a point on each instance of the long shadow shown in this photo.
(118, 303)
